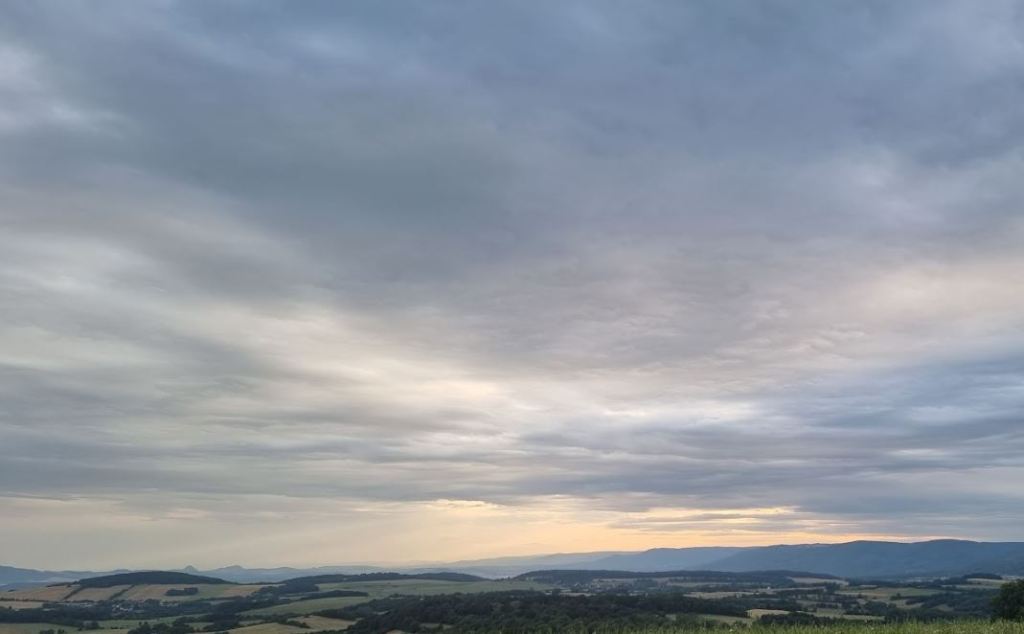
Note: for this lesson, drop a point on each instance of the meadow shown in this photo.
(956, 627)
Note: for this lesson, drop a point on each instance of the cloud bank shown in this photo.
(320, 282)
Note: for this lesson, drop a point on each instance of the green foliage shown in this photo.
(1009, 603)
(182, 592)
(522, 612)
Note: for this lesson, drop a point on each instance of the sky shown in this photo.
(300, 283)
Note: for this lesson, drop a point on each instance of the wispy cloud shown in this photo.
(583, 274)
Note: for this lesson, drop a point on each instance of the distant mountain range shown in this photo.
(860, 559)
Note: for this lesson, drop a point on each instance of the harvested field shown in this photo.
(43, 593)
(206, 591)
(758, 613)
(322, 623)
(315, 623)
(20, 605)
(96, 594)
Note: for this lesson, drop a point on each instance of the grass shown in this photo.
(32, 628)
(318, 624)
(953, 627)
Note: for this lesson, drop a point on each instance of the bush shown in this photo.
(1009, 603)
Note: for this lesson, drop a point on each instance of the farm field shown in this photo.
(43, 593)
(206, 591)
(20, 605)
(308, 606)
(382, 589)
(958, 627)
(96, 594)
(127, 624)
(31, 628)
(313, 623)
(387, 602)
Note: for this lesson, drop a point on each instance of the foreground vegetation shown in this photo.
(954, 627)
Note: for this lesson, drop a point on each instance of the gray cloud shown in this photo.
(656, 267)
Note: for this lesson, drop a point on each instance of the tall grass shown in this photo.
(951, 627)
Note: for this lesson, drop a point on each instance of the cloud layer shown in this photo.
(319, 282)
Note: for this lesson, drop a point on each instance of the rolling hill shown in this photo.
(862, 559)
(859, 559)
(151, 577)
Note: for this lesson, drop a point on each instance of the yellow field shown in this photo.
(757, 613)
(322, 623)
(96, 594)
(721, 618)
(818, 581)
(832, 613)
(206, 591)
(20, 605)
(43, 593)
(315, 623)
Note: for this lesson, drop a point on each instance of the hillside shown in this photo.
(664, 559)
(883, 559)
(387, 576)
(12, 576)
(572, 577)
(154, 577)
(861, 559)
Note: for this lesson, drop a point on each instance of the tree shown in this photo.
(1009, 603)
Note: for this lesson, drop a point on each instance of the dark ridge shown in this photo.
(387, 576)
(582, 576)
(144, 578)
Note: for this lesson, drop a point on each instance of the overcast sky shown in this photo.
(328, 282)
